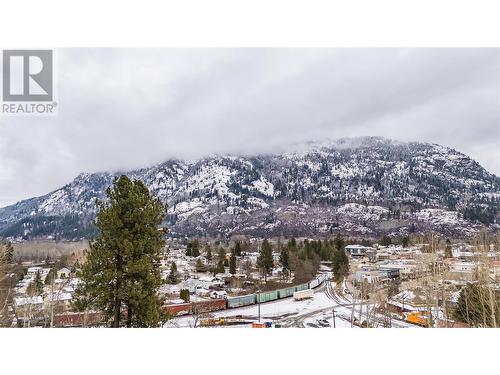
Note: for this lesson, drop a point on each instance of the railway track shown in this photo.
(297, 319)
(328, 289)
(339, 302)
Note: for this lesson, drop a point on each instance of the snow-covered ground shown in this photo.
(314, 312)
(271, 310)
(325, 320)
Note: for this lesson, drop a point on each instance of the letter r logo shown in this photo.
(27, 75)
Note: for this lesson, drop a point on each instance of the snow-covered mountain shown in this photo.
(357, 186)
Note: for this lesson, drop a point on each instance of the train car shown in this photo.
(208, 306)
(317, 281)
(301, 287)
(418, 318)
(314, 283)
(267, 296)
(249, 299)
(178, 309)
(286, 292)
(79, 319)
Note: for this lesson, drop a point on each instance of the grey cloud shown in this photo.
(122, 109)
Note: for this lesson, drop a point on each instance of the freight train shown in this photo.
(240, 301)
(96, 318)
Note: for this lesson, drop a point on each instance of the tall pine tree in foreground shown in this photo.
(121, 275)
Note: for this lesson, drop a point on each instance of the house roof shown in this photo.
(21, 301)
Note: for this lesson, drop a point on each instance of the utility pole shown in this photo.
(258, 303)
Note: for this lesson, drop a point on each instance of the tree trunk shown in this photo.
(492, 307)
(117, 307)
(129, 316)
(117, 314)
(118, 301)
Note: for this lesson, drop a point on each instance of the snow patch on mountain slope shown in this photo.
(361, 211)
(263, 186)
(212, 177)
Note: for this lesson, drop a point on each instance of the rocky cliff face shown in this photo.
(356, 186)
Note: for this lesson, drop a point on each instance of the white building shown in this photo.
(63, 273)
(357, 250)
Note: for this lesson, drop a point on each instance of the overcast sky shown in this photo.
(121, 109)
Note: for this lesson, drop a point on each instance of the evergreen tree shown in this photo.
(122, 270)
(172, 276)
(284, 259)
(220, 267)
(265, 261)
(340, 261)
(189, 249)
(208, 251)
(232, 262)
(7, 255)
(184, 295)
(285, 262)
(339, 242)
(385, 241)
(473, 306)
(200, 267)
(195, 248)
(237, 248)
(405, 241)
(221, 256)
(3, 258)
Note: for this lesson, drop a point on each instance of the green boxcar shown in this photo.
(287, 292)
(267, 296)
(241, 301)
(301, 287)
